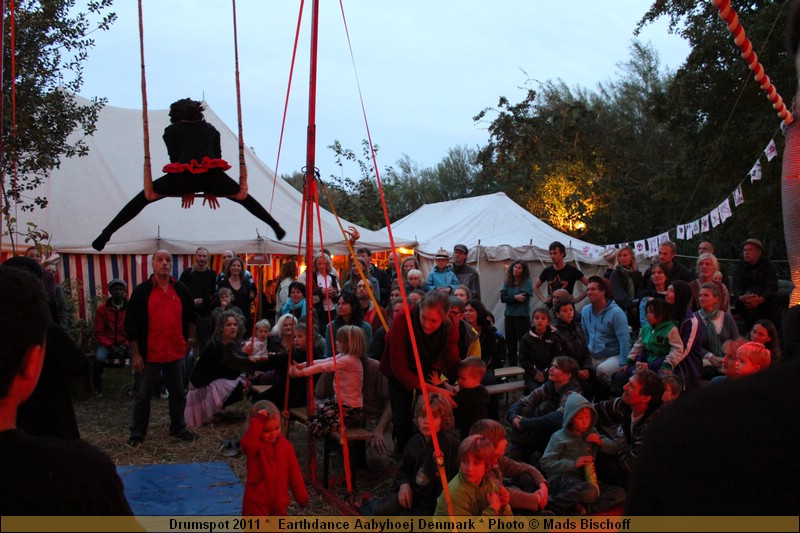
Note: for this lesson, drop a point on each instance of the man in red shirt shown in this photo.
(160, 324)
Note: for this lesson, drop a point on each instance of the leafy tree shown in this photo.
(53, 40)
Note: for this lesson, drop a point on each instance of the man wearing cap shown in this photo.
(442, 278)
(109, 332)
(755, 286)
(466, 274)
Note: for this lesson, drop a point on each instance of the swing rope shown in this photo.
(242, 165)
(149, 192)
(286, 110)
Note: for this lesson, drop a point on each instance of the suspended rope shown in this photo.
(15, 154)
(406, 310)
(149, 193)
(728, 14)
(242, 165)
(286, 108)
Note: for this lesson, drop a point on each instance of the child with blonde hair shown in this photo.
(272, 467)
(351, 349)
(256, 346)
(472, 398)
(751, 357)
(527, 487)
(473, 491)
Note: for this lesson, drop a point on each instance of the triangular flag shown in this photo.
(714, 217)
(704, 224)
(738, 196)
(689, 231)
(696, 227)
(755, 172)
(639, 248)
(771, 150)
(681, 232)
(725, 210)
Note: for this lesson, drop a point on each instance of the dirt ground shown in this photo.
(105, 422)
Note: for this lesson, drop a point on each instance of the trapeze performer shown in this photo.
(196, 166)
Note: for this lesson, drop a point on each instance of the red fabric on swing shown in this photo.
(196, 168)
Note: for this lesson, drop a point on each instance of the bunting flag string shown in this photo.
(686, 231)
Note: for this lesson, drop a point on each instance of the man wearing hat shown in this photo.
(109, 332)
(442, 278)
(466, 274)
(755, 286)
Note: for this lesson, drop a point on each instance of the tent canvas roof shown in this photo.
(85, 193)
(497, 224)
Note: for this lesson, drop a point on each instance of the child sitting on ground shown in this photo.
(272, 467)
(537, 349)
(569, 460)
(751, 357)
(473, 491)
(417, 478)
(472, 398)
(527, 487)
(296, 304)
(673, 385)
(658, 338)
(350, 349)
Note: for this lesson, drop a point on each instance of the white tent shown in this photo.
(85, 193)
(497, 231)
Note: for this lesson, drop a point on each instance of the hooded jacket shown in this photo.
(607, 332)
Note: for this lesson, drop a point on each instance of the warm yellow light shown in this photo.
(404, 251)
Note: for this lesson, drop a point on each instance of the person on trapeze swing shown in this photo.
(196, 166)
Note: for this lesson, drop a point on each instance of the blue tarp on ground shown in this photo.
(187, 489)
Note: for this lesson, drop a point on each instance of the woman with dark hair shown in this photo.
(195, 166)
(287, 275)
(656, 288)
(243, 289)
(348, 313)
(516, 294)
(437, 344)
(689, 364)
(218, 375)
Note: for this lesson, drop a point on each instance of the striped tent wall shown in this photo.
(94, 271)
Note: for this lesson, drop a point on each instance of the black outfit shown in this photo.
(277, 365)
(53, 477)
(560, 279)
(690, 463)
(468, 276)
(241, 299)
(201, 284)
(678, 272)
(189, 142)
(472, 406)
(790, 334)
(384, 283)
(760, 278)
(49, 411)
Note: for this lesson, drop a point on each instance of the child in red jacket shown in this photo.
(272, 466)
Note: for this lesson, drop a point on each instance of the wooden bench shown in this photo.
(333, 441)
(260, 389)
(506, 388)
(509, 371)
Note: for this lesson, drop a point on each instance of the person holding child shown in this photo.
(272, 466)
(527, 488)
(569, 461)
(417, 480)
(350, 349)
(474, 491)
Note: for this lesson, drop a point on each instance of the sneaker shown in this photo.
(98, 394)
(186, 436)
(135, 442)
(164, 395)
